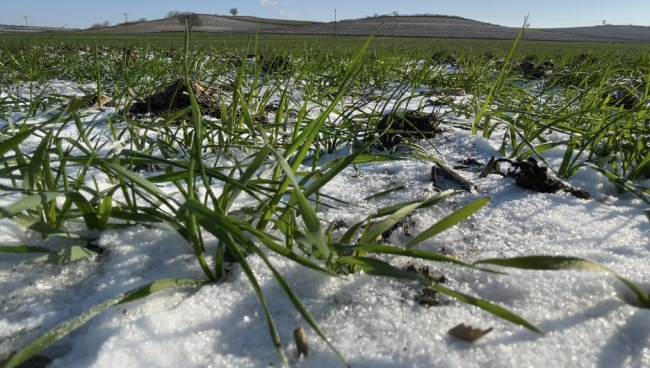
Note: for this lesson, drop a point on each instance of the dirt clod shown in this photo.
(409, 126)
(427, 296)
(175, 97)
(426, 272)
(532, 71)
(529, 175)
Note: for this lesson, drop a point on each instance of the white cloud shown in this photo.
(268, 2)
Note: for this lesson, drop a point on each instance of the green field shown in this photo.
(228, 42)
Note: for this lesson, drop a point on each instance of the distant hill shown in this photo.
(615, 33)
(391, 26)
(452, 27)
(209, 23)
(4, 28)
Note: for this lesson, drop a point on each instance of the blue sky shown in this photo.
(550, 13)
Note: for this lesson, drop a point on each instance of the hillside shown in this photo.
(4, 28)
(399, 26)
(628, 33)
(209, 23)
(443, 27)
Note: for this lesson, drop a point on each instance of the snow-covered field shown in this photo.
(589, 319)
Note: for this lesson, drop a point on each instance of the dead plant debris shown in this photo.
(439, 169)
(529, 175)
(101, 102)
(468, 333)
(175, 97)
(300, 337)
(408, 126)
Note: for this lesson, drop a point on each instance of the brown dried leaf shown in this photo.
(301, 340)
(105, 100)
(468, 333)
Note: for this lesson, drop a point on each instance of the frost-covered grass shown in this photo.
(297, 183)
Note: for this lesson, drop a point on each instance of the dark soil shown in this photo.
(427, 296)
(411, 126)
(276, 64)
(532, 71)
(529, 175)
(175, 97)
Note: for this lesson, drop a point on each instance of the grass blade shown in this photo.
(449, 221)
(28, 203)
(314, 228)
(23, 249)
(565, 263)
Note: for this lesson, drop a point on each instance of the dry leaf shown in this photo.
(301, 340)
(468, 333)
(104, 100)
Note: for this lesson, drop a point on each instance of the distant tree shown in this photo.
(233, 11)
(395, 13)
(375, 15)
(142, 20)
(527, 25)
(189, 18)
(106, 24)
(604, 22)
(97, 26)
(173, 13)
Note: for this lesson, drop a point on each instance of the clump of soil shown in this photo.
(532, 71)
(410, 126)
(276, 64)
(175, 97)
(621, 98)
(529, 175)
(427, 296)
(426, 272)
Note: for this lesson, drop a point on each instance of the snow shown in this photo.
(589, 319)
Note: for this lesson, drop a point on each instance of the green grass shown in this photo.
(224, 42)
(270, 198)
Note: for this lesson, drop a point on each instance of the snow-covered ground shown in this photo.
(589, 319)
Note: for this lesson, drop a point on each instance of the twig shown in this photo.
(450, 174)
